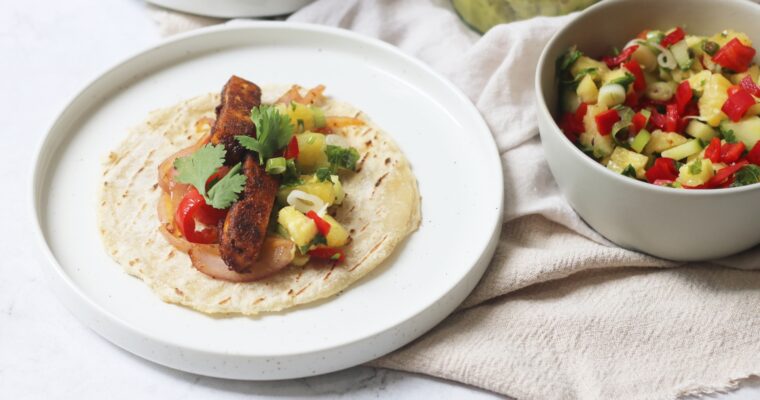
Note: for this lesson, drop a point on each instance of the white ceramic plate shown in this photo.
(449, 145)
(233, 8)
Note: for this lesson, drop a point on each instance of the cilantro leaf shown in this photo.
(629, 171)
(728, 135)
(196, 168)
(748, 175)
(273, 132)
(226, 190)
(341, 157)
(323, 174)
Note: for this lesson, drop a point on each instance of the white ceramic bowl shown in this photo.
(669, 223)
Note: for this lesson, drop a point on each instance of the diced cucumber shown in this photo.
(700, 130)
(641, 140)
(621, 158)
(747, 130)
(680, 52)
(679, 152)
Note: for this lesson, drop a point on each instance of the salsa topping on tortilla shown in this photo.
(255, 195)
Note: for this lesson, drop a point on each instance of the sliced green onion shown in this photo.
(276, 165)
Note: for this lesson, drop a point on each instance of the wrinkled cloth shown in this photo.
(561, 313)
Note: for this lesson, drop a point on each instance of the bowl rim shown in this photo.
(543, 112)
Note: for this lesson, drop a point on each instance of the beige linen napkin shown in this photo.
(560, 313)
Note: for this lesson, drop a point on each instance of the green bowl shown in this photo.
(482, 15)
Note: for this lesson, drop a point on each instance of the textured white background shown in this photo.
(49, 49)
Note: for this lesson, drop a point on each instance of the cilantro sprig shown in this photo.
(273, 132)
(197, 168)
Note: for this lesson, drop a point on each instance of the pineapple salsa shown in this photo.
(670, 108)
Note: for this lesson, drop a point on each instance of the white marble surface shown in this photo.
(49, 50)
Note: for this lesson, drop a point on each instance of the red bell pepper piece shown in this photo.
(737, 104)
(754, 155)
(683, 96)
(724, 174)
(193, 206)
(643, 34)
(322, 226)
(634, 68)
(731, 152)
(605, 120)
(672, 117)
(657, 119)
(734, 56)
(572, 123)
(673, 37)
(632, 100)
(292, 150)
(624, 55)
(663, 169)
(713, 150)
(328, 253)
(638, 122)
(750, 86)
(580, 112)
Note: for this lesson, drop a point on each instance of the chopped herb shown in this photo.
(615, 51)
(623, 81)
(579, 76)
(748, 175)
(342, 157)
(323, 174)
(728, 135)
(273, 132)
(695, 167)
(318, 239)
(629, 171)
(568, 58)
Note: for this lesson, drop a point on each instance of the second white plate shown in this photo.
(450, 148)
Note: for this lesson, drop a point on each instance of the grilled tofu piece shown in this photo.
(233, 116)
(245, 227)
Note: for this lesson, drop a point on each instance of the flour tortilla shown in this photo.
(382, 207)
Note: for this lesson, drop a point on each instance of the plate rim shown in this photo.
(72, 296)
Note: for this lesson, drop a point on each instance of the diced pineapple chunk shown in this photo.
(728, 35)
(699, 81)
(323, 190)
(584, 63)
(311, 151)
(753, 72)
(714, 95)
(695, 173)
(661, 141)
(621, 158)
(338, 235)
(587, 90)
(612, 75)
(301, 228)
(601, 146)
(645, 57)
